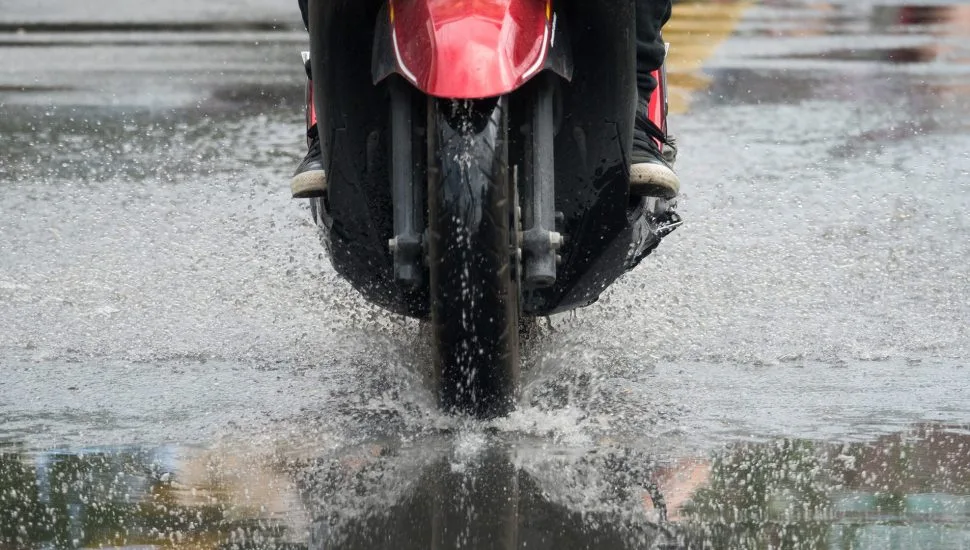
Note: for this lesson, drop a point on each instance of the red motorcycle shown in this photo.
(478, 168)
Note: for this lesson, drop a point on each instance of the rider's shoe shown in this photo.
(310, 180)
(652, 172)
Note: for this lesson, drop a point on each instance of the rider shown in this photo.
(649, 171)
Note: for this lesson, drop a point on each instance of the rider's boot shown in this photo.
(310, 180)
(651, 171)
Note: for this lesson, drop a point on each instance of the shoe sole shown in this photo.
(653, 180)
(309, 185)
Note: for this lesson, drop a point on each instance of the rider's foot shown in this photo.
(310, 180)
(652, 172)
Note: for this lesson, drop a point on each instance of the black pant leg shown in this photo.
(303, 10)
(652, 15)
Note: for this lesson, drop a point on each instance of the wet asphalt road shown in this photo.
(179, 365)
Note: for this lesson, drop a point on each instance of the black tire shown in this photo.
(474, 298)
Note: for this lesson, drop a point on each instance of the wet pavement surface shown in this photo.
(180, 366)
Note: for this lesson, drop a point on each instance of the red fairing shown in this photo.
(657, 104)
(311, 109)
(470, 48)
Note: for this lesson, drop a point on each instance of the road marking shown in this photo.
(695, 31)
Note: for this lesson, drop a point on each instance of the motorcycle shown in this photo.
(478, 168)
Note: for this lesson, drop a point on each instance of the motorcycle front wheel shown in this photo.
(473, 291)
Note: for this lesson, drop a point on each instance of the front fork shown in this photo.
(540, 242)
(407, 195)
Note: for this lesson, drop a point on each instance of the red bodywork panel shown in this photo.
(311, 109)
(470, 48)
(657, 104)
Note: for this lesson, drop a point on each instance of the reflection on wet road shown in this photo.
(907, 490)
(180, 367)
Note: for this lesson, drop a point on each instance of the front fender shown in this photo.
(467, 48)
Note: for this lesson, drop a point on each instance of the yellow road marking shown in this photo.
(694, 32)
